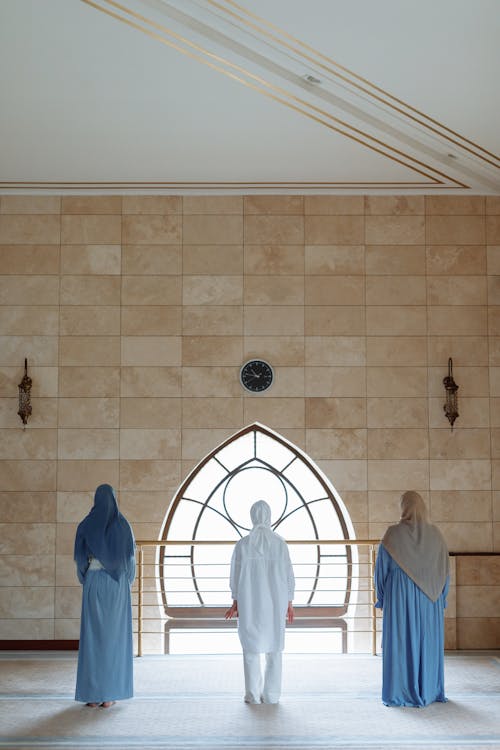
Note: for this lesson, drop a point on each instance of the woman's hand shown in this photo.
(232, 611)
(289, 613)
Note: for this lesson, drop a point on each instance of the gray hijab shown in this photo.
(418, 546)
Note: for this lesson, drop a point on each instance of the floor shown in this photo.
(195, 702)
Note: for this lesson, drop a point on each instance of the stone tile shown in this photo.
(273, 230)
(396, 381)
(333, 205)
(212, 290)
(79, 475)
(164, 320)
(28, 444)
(68, 602)
(494, 290)
(270, 320)
(44, 414)
(149, 507)
(31, 506)
(90, 351)
(160, 351)
(273, 204)
(461, 443)
(492, 204)
(274, 259)
(284, 351)
(478, 601)
(148, 475)
(198, 443)
(397, 443)
(395, 290)
(335, 381)
(211, 381)
(336, 443)
(334, 230)
(153, 412)
(459, 230)
(468, 350)
(16, 538)
(29, 320)
(395, 230)
(91, 204)
(151, 290)
(493, 230)
(30, 204)
(27, 475)
(464, 320)
(334, 290)
(398, 475)
(42, 349)
(89, 320)
(151, 230)
(472, 381)
(91, 230)
(407, 260)
(457, 290)
(397, 412)
(334, 321)
(152, 204)
(479, 571)
(91, 259)
(276, 413)
(460, 474)
(461, 205)
(73, 506)
(27, 602)
(474, 412)
(151, 381)
(84, 443)
(32, 629)
(396, 320)
(335, 350)
(212, 412)
(212, 320)
(90, 290)
(214, 229)
(341, 260)
(45, 380)
(213, 204)
(150, 444)
(89, 412)
(394, 205)
(474, 630)
(213, 259)
(89, 381)
(151, 260)
(335, 413)
(33, 290)
(288, 381)
(394, 351)
(30, 229)
(212, 350)
(273, 290)
(346, 475)
(29, 259)
(456, 260)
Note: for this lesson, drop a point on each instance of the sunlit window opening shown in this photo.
(214, 504)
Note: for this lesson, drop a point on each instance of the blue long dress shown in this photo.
(105, 657)
(412, 637)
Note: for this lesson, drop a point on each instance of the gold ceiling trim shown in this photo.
(330, 62)
(212, 185)
(266, 88)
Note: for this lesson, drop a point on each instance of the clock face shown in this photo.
(256, 375)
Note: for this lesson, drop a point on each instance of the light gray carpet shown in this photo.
(194, 702)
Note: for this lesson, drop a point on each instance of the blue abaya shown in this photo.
(412, 637)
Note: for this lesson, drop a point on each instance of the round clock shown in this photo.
(256, 375)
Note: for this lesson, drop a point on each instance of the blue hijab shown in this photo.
(104, 534)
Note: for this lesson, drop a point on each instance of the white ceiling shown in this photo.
(211, 96)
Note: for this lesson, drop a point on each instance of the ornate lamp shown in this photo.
(25, 396)
(451, 405)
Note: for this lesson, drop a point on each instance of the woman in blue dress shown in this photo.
(411, 581)
(105, 563)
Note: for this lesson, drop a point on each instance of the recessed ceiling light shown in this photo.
(311, 79)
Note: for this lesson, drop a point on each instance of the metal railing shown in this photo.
(148, 585)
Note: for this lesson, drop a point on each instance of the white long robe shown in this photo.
(262, 584)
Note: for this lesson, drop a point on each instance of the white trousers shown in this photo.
(262, 688)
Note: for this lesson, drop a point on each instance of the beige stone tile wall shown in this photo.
(137, 312)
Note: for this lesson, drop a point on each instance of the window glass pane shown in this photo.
(236, 452)
(273, 452)
(305, 481)
(205, 480)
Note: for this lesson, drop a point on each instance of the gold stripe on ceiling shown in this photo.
(266, 88)
(297, 47)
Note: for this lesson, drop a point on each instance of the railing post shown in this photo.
(373, 599)
(140, 580)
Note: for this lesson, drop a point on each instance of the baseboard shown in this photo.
(38, 645)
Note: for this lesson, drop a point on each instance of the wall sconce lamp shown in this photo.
(451, 405)
(25, 396)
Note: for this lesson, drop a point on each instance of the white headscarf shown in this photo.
(418, 547)
(260, 515)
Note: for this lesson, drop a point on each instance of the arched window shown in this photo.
(214, 504)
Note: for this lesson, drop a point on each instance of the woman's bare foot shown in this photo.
(107, 704)
(92, 705)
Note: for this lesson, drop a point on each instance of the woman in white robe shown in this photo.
(262, 586)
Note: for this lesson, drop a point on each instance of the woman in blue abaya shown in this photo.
(411, 581)
(105, 564)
